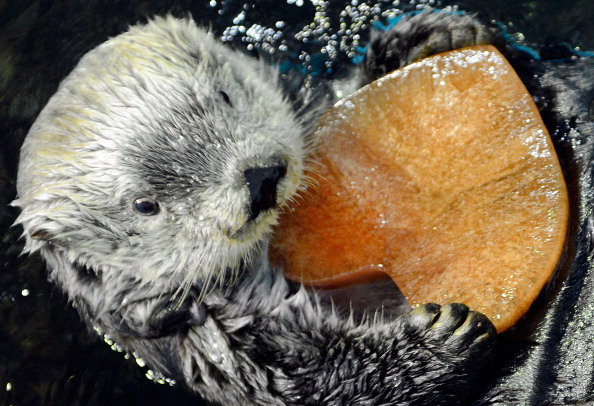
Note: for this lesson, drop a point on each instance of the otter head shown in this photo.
(160, 164)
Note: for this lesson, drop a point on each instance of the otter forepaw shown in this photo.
(167, 317)
(453, 331)
(418, 36)
(156, 317)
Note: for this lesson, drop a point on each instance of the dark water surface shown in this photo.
(47, 356)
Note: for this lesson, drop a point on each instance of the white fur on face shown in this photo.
(164, 112)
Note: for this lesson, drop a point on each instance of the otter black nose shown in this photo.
(262, 184)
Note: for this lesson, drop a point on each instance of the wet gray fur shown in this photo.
(167, 114)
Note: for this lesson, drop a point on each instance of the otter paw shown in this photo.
(155, 317)
(167, 318)
(418, 36)
(453, 331)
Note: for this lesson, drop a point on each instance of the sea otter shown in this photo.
(150, 183)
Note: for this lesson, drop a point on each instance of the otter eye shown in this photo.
(146, 206)
(226, 98)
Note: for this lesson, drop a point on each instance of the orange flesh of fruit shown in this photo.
(441, 175)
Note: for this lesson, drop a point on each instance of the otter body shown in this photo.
(150, 184)
(141, 160)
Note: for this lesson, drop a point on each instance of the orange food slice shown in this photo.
(441, 175)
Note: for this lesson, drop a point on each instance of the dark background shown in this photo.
(47, 356)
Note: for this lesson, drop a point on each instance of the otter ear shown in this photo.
(36, 225)
(40, 234)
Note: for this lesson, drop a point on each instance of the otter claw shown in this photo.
(452, 328)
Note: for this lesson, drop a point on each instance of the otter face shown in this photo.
(162, 161)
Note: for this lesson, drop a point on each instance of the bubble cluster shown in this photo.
(313, 37)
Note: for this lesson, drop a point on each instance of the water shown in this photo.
(46, 356)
